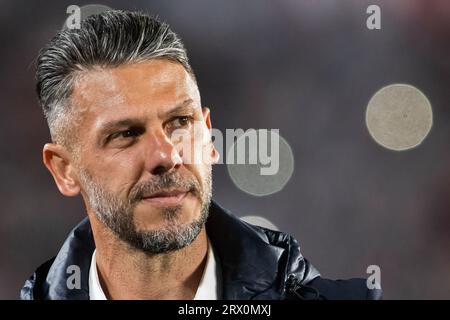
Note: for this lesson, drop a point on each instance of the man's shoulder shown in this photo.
(319, 287)
(301, 279)
(34, 286)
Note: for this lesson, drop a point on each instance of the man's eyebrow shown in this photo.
(115, 124)
(183, 106)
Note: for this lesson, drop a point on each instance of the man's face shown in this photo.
(133, 174)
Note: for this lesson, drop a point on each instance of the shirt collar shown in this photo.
(208, 288)
(95, 288)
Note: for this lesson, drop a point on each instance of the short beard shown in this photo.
(117, 214)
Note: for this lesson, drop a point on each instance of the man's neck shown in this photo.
(128, 273)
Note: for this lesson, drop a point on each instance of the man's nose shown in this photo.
(162, 155)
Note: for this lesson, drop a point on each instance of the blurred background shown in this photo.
(308, 68)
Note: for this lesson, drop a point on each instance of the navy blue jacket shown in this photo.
(256, 263)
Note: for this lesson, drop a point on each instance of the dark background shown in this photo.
(306, 67)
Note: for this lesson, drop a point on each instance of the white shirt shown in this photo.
(209, 287)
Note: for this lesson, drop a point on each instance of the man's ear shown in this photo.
(207, 117)
(57, 161)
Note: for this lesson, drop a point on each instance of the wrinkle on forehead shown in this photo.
(155, 81)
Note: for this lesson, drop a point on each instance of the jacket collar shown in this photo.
(255, 262)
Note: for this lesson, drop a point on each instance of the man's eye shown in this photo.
(129, 133)
(183, 121)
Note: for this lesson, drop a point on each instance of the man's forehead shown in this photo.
(158, 83)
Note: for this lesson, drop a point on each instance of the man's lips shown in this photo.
(166, 198)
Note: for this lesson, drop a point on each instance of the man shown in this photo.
(115, 92)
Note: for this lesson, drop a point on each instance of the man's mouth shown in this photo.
(166, 198)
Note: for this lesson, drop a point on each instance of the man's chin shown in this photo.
(170, 237)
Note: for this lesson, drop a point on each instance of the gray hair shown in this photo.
(108, 39)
